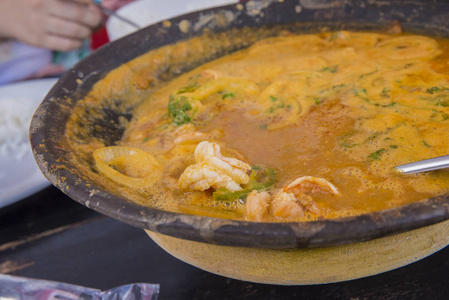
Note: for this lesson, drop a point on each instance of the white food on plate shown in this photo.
(15, 117)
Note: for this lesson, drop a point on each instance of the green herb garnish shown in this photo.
(367, 74)
(277, 104)
(361, 93)
(444, 103)
(385, 92)
(259, 180)
(425, 144)
(178, 110)
(434, 89)
(376, 155)
(331, 69)
(191, 86)
(227, 95)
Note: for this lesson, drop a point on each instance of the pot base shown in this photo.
(309, 266)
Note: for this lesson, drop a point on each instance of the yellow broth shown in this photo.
(344, 106)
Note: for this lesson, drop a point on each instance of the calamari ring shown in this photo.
(129, 166)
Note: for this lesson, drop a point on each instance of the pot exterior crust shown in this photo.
(309, 266)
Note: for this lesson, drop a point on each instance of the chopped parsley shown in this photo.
(385, 92)
(338, 86)
(191, 86)
(444, 103)
(260, 180)
(435, 89)
(318, 100)
(367, 74)
(277, 104)
(180, 110)
(228, 95)
(361, 93)
(187, 89)
(331, 69)
(376, 155)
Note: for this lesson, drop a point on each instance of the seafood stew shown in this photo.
(293, 128)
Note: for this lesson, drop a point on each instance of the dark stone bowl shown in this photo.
(50, 121)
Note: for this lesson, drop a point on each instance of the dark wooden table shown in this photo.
(49, 236)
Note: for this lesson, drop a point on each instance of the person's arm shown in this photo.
(54, 24)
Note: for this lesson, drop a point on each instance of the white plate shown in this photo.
(20, 178)
(146, 12)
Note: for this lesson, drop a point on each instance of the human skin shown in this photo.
(60, 25)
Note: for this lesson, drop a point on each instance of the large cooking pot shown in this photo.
(262, 252)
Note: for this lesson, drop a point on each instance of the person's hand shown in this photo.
(54, 24)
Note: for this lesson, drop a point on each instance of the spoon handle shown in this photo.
(425, 165)
(112, 13)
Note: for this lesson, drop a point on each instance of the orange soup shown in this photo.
(293, 128)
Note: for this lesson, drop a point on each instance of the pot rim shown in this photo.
(328, 232)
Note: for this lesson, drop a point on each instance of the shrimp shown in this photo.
(257, 205)
(196, 136)
(212, 169)
(186, 134)
(295, 198)
(202, 176)
(211, 74)
(189, 137)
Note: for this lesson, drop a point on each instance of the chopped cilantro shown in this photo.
(385, 92)
(178, 108)
(259, 180)
(187, 89)
(191, 86)
(277, 104)
(361, 93)
(274, 108)
(367, 74)
(376, 155)
(331, 69)
(444, 103)
(438, 116)
(434, 89)
(227, 95)
(338, 86)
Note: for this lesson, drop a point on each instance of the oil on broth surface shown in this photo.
(342, 107)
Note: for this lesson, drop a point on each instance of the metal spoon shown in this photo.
(112, 13)
(424, 165)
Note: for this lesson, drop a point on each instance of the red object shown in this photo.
(99, 38)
